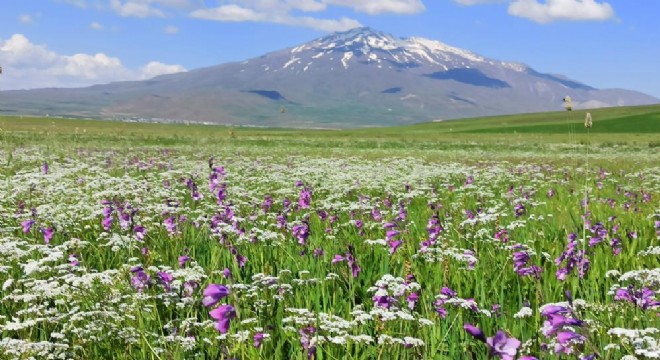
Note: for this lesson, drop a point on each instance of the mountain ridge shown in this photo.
(360, 77)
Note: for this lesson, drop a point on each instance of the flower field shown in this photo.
(177, 252)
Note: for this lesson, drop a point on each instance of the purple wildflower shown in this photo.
(48, 234)
(412, 299)
(350, 259)
(140, 279)
(258, 338)
(519, 209)
(73, 260)
(305, 198)
(139, 231)
(223, 315)
(165, 279)
(267, 203)
(384, 301)
(183, 259)
(643, 298)
(394, 245)
(502, 346)
(301, 232)
(306, 340)
(170, 225)
(189, 288)
(226, 273)
(27, 225)
(475, 332)
(213, 294)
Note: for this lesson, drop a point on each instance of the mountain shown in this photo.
(361, 77)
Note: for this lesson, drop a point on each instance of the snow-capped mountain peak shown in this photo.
(365, 45)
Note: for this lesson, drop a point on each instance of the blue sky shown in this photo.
(43, 43)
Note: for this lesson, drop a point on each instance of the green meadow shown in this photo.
(512, 237)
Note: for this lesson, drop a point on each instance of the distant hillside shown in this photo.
(357, 78)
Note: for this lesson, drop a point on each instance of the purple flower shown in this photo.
(140, 231)
(258, 339)
(165, 279)
(306, 340)
(383, 301)
(350, 259)
(183, 259)
(240, 259)
(500, 345)
(644, 298)
(412, 300)
(223, 315)
(391, 234)
(448, 292)
(27, 225)
(519, 209)
(503, 346)
(305, 198)
(189, 288)
(48, 234)
(140, 279)
(170, 225)
(566, 339)
(107, 222)
(475, 332)
(213, 294)
(73, 260)
(301, 232)
(281, 221)
(226, 273)
(266, 204)
(394, 245)
(44, 168)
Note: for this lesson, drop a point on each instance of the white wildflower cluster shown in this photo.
(523, 313)
(406, 341)
(438, 254)
(329, 328)
(650, 251)
(645, 343)
(645, 277)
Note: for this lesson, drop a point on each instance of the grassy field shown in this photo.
(517, 238)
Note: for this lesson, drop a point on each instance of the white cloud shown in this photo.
(237, 13)
(340, 24)
(95, 26)
(374, 7)
(552, 10)
(136, 8)
(286, 12)
(156, 68)
(26, 19)
(27, 65)
(231, 12)
(307, 5)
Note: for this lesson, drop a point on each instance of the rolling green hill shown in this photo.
(610, 125)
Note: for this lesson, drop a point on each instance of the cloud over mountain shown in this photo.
(28, 65)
